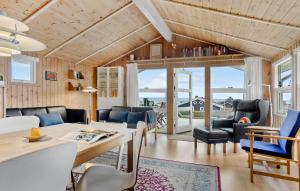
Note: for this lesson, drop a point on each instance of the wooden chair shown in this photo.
(19, 123)
(280, 153)
(46, 169)
(102, 177)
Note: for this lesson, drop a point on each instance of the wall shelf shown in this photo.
(75, 75)
(72, 87)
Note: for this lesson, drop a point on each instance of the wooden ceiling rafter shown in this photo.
(39, 11)
(233, 15)
(113, 43)
(152, 14)
(117, 58)
(79, 34)
(224, 34)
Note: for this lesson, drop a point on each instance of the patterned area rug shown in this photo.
(164, 175)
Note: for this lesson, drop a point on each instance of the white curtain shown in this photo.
(132, 85)
(254, 82)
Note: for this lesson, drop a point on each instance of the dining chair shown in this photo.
(102, 177)
(19, 123)
(47, 169)
(281, 153)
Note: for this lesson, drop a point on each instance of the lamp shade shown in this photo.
(11, 23)
(89, 89)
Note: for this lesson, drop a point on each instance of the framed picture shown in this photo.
(52, 76)
(155, 51)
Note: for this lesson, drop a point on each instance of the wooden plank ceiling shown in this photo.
(97, 31)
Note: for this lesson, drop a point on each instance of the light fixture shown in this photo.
(12, 38)
(90, 90)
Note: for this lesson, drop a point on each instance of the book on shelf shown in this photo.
(87, 136)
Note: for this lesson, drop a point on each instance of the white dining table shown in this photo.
(14, 144)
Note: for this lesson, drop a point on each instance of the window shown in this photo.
(23, 69)
(283, 85)
(153, 87)
(227, 83)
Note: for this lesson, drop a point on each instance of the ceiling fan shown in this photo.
(12, 38)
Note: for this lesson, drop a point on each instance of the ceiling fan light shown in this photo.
(8, 51)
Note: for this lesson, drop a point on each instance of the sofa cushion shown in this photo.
(118, 116)
(103, 114)
(120, 108)
(13, 112)
(33, 111)
(49, 119)
(59, 109)
(134, 117)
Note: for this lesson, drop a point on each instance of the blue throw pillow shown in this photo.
(118, 116)
(49, 119)
(134, 117)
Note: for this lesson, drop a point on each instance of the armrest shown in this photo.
(76, 116)
(262, 129)
(239, 131)
(273, 137)
(222, 123)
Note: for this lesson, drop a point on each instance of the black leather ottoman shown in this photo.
(210, 136)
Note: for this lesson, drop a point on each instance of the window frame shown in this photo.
(232, 90)
(277, 90)
(23, 59)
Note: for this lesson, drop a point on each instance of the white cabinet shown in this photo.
(110, 87)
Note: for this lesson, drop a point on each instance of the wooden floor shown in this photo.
(233, 167)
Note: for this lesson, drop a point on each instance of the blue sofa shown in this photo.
(129, 115)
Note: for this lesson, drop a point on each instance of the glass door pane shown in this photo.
(183, 100)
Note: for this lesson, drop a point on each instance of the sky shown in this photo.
(221, 77)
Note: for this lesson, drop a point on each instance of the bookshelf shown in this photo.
(110, 86)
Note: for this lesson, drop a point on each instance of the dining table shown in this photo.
(13, 145)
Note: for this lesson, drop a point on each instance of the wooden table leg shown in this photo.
(208, 148)
(224, 147)
(130, 156)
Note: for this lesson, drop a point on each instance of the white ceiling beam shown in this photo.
(112, 44)
(40, 11)
(78, 35)
(151, 13)
(224, 34)
(233, 15)
(115, 59)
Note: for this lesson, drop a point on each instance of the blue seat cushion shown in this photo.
(264, 148)
(134, 117)
(50, 119)
(118, 116)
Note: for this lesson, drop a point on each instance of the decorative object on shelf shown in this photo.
(1, 80)
(90, 90)
(155, 51)
(12, 38)
(75, 75)
(51, 76)
(131, 57)
(71, 87)
(210, 50)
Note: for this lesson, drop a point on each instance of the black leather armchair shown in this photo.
(256, 110)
